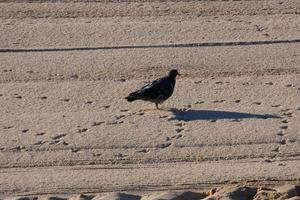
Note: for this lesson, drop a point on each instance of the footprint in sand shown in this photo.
(247, 83)
(163, 145)
(53, 142)
(97, 123)
(180, 124)
(256, 103)
(269, 83)
(187, 105)
(82, 130)
(172, 118)
(285, 110)
(18, 148)
(7, 127)
(178, 130)
(280, 133)
(282, 164)
(74, 150)
(30, 71)
(43, 97)
(197, 82)
(58, 136)
(97, 154)
(124, 110)
(218, 101)
(40, 134)
(292, 140)
(120, 155)
(24, 130)
(1, 95)
(288, 114)
(63, 142)
(143, 151)
(7, 70)
(284, 121)
(199, 102)
(284, 127)
(275, 105)
(75, 76)
(237, 101)
(283, 141)
(111, 122)
(177, 136)
(268, 161)
(40, 142)
(122, 80)
(65, 100)
(276, 149)
(119, 117)
(58, 142)
(89, 102)
(163, 116)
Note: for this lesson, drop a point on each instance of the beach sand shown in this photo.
(230, 130)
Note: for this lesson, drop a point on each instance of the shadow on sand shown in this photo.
(192, 115)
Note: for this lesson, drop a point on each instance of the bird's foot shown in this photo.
(162, 108)
(156, 105)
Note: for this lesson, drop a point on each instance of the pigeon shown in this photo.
(157, 91)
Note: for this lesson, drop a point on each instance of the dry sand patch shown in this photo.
(232, 123)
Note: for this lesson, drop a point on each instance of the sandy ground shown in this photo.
(66, 128)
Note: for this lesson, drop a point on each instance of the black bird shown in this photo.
(157, 91)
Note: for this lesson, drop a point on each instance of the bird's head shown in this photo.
(173, 73)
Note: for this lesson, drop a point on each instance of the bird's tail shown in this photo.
(131, 97)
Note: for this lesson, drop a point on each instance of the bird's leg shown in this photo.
(156, 104)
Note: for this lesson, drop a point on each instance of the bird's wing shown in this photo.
(158, 89)
(151, 84)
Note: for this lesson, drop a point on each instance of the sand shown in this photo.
(231, 126)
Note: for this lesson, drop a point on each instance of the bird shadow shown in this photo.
(192, 115)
